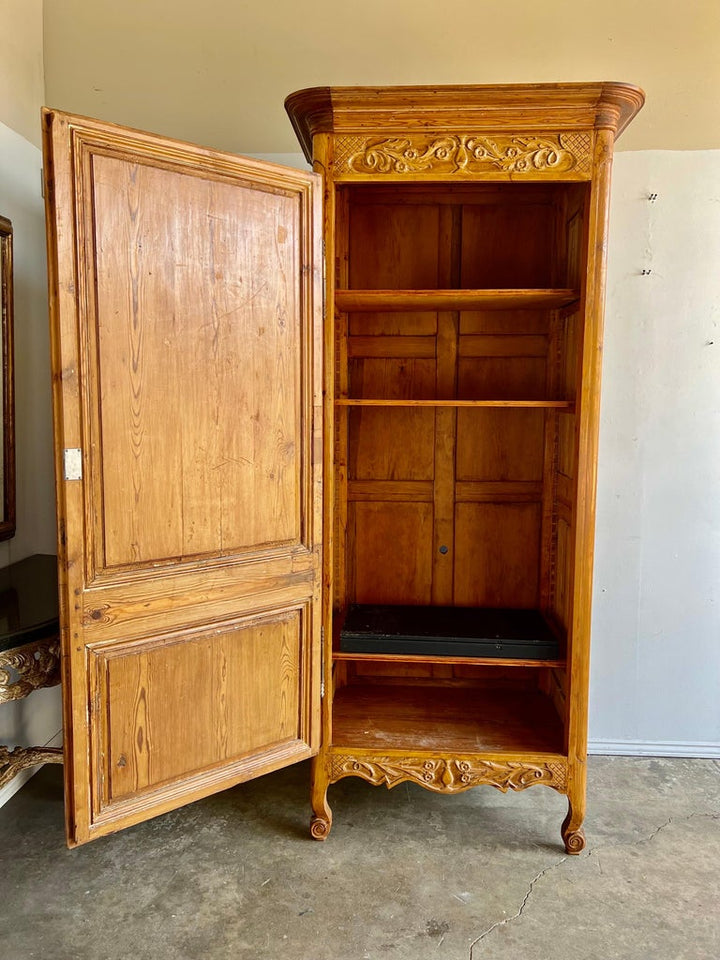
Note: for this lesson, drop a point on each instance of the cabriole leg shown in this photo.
(571, 830)
(322, 815)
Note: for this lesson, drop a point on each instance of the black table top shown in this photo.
(28, 600)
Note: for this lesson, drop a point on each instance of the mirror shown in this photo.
(7, 419)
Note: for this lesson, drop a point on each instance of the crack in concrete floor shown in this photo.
(501, 923)
(590, 852)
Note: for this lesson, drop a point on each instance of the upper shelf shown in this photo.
(375, 301)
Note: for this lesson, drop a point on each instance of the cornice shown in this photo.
(498, 108)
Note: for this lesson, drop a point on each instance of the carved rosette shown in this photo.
(500, 155)
(29, 668)
(452, 775)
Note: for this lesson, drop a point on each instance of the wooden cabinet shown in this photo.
(368, 539)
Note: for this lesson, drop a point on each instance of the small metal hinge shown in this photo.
(322, 663)
(72, 463)
(324, 282)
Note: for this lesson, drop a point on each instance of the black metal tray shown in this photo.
(448, 631)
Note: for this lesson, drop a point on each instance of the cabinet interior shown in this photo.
(458, 332)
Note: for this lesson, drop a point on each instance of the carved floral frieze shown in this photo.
(449, 775)
(502, 154)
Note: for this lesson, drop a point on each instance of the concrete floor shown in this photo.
(405, 875)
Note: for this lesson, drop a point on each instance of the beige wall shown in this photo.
(217, 72)
(22, 88)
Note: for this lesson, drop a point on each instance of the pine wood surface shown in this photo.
(356, 301)
(450, 406)
(507, 107)
(445, 720)
(396, 658)
(464, 310)
(190, 549)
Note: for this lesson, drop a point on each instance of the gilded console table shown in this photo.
(29, 647)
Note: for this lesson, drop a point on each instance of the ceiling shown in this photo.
(217, 72)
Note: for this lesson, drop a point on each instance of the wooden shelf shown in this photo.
(445, 718)
(376, 301)
(550, 404)
(341, 655)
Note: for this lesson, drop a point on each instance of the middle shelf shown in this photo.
(373, 301)
(568, 405)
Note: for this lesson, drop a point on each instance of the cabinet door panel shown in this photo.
(185, 287)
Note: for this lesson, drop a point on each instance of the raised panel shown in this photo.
(393, 552)
(497, 554)
(195, 315)
(175, 707)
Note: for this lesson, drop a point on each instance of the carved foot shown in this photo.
(572, 834)
(320, 828)
(322, 815)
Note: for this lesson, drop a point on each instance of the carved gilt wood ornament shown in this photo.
(452, 775)
(29, 668)
(465, 153)
(22, 670)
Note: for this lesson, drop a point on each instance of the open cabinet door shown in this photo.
(187, 353)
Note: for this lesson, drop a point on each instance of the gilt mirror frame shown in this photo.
(7, 440)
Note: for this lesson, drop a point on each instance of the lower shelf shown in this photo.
(471, 632)
(445, 718)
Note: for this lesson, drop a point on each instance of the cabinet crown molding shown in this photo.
(534, 107)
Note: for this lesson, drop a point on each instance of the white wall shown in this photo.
(655, 682)
(37, 719)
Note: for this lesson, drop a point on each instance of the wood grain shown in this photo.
(372, 301)
(187, 362)
(147, 736)
(179, 312)
(445, 719)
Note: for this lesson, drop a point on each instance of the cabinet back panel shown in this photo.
(502, 378)
(499, 445)
(497, 548)
(393, 246)
(507, 246)
(397, 378)
(393, 550)
(480, 483)
(377, 447)
(525, 322)
(421, 324)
